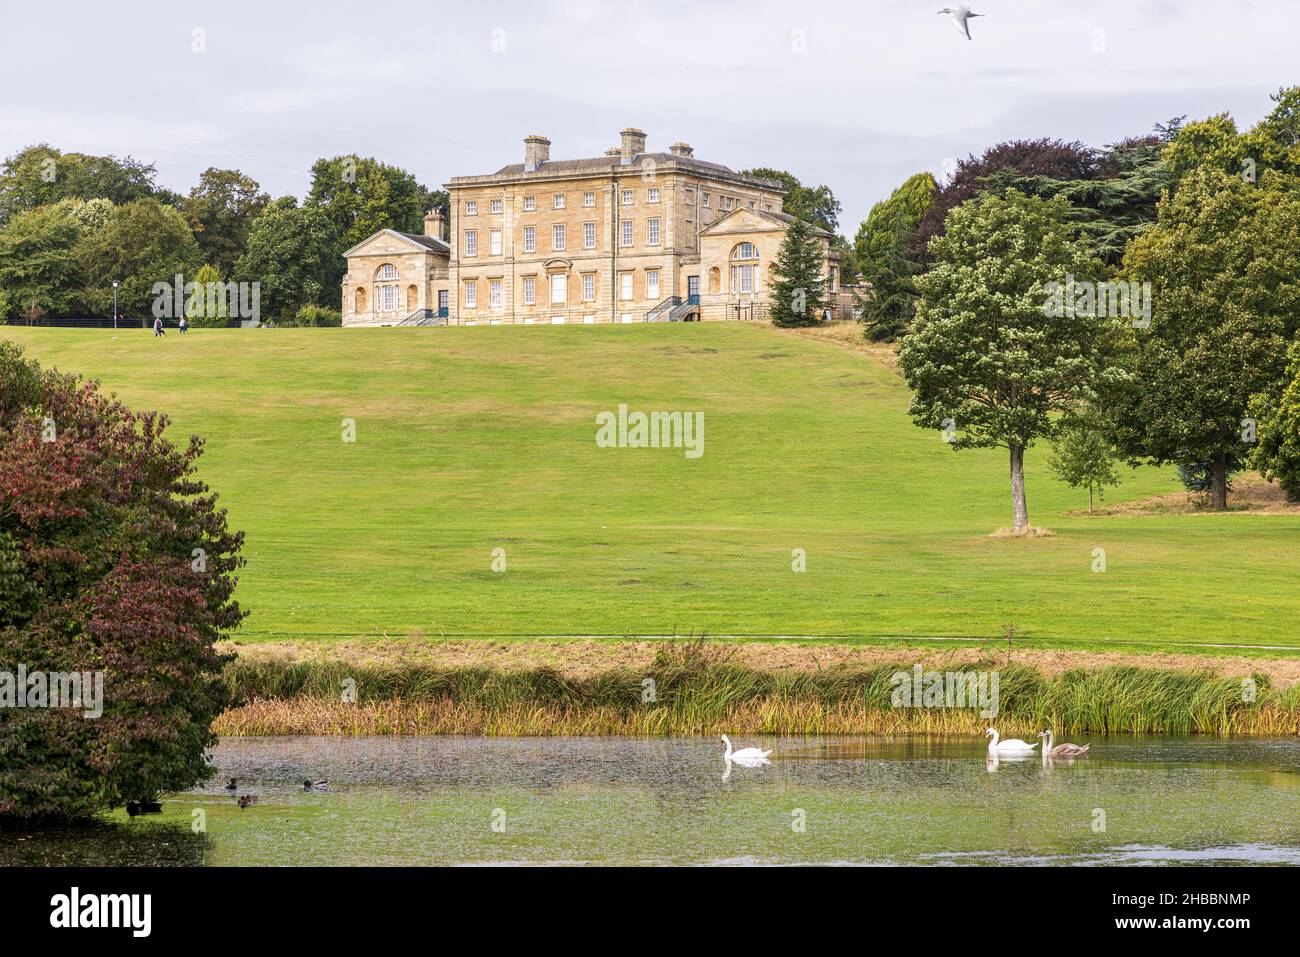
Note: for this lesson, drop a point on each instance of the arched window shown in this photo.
(744, 272)
(360, 299)
(412, 297)
(388, 293)
(715, 279)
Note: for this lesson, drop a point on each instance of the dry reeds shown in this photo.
(693, 688)
(1024, 531)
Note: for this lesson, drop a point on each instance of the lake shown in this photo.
(939, 801)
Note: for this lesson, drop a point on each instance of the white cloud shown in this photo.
(854, 93)
(271, 101)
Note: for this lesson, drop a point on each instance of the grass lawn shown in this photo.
(472, 439)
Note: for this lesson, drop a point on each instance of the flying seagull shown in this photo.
(961, 18)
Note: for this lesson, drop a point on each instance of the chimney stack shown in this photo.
(633, 143)
(433, 223)
(682, 149)
(537, 150)
(613, 151)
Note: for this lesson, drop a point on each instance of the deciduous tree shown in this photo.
(220, 211)
(202, 310)
(39, 267)
(40, 175)
(1278, 419)
(1271, 145)
(113, 559)
(986, 360)
(141, 244)
(291, 252)
(358, 197)
(1084, 454)
(1043, 157)
(1224, 267)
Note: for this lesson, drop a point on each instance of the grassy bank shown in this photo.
(475, 439)
(699, 691)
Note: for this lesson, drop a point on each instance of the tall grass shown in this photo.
(696, 689)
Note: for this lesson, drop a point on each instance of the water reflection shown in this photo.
(632, 801)
(743, 762)
(169, 843)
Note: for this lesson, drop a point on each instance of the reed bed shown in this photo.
(694, 689)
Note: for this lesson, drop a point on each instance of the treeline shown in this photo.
(1136, 303)
(72, 224)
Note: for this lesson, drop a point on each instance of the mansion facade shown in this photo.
(627, 237)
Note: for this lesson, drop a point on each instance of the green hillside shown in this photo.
(473, 439)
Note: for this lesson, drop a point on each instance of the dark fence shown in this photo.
(95, 322)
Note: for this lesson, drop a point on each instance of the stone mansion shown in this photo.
(629, 236)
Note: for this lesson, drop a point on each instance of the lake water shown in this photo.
(443, 800)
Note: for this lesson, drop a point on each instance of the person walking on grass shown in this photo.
(184, 325)
(157, 327)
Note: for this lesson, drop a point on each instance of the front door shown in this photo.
(692, 285)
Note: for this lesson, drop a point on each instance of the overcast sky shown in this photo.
(857, 95)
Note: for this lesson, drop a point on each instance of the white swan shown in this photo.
(1009, 746)
(744, 754)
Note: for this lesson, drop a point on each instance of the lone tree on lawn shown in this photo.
(986, 358)
(114, 560)
(799, 293)
(1085, 454)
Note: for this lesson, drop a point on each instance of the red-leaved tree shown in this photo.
(1044, 157)
(114, 559)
